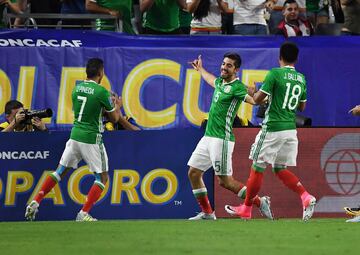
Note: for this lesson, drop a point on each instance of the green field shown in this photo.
(224, 236)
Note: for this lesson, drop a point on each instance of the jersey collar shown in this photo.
(225, 83)
(291, 67)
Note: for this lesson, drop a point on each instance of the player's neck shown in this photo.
(230, 79)
(95, 79)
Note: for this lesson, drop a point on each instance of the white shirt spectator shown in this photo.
(213, 20)
(249, 12)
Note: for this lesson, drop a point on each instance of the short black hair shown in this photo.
(93, 67)
(290, 2)
(12, 105)
(234, 56)
(289, 52)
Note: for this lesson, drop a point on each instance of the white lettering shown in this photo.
(53, 43)
(4, 43)
(29, 42)
(77, 43)
(16, 42)
(41, 43)
(65, 43)
(30, 155)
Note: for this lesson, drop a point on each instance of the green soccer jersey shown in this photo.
(168, 10)
(286, 88)
(125, 9)
(89, 101)
(226, 100)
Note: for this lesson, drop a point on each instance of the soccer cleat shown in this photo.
(352, 211)
(355, 219)
(264, 208)
(31, 210)
(84, 216)
(309, 207)
(204, 216)
(242, 211)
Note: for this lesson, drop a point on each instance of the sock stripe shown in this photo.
(101, 185)
(55, 176)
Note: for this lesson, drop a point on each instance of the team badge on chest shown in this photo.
(227, 89)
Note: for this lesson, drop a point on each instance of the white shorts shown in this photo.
(275, 148)
(215, 152)
(93, 154)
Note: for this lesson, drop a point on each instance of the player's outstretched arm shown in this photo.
(302, 106)
(208, 77)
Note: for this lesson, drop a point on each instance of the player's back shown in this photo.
(89, 99)
(286, 88)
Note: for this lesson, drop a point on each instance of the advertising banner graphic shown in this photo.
(328, 165)
(148, 176)
(160, 89)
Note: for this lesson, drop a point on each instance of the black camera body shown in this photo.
(29, 114)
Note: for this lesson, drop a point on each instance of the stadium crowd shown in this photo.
(250, 17)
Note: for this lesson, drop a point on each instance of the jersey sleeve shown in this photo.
(268, 84)
(303, 96)
(105, 101)
(240, 92)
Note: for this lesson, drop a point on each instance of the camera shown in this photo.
(29, 114)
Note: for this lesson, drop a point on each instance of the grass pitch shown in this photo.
(224, 236)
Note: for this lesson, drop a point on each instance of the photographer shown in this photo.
(17, 121)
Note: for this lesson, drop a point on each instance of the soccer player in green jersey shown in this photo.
(216, 147)
(276, 144)
(90, 100)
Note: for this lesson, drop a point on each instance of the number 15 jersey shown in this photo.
(286, 88)
(89, 101)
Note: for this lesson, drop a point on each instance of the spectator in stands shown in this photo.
(161, 17)
(185, 20)
(317, 11)
(10, 5)
(121, 9)
(206, 15)
(276, 13)
(351, 9)
(16, 121)
(292, 24)
(249, 17)
(40, 6)
(74, 7)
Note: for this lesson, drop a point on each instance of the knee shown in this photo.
(194, 174)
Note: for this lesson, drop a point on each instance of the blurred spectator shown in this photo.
(161, 17)
(40, 6)
(249, 17)
(73, 7)
(227, 21)
(16, 120)
(351, 9)
(121, 9)
(10, 5)
(185, 20)
(292, 24)
(276, 13)
(317, 11)
(206, 15)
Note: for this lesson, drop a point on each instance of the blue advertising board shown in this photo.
(160, 89)
(148, 176)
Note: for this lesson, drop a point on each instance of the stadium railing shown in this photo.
(30, 20)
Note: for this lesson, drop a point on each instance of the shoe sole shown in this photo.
(233, 213)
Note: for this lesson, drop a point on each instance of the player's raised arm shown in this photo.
(208, 77)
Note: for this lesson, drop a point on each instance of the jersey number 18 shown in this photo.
(291, 100)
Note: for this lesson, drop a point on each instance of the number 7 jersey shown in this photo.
(90, 100)
(286, 88)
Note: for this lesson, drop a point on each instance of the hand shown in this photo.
(269, 5)
(251, 90)
(37, 122)
(114, 13)
(355, 111)
(197, 63)
(19, 117)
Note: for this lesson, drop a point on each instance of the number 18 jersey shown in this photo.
(286, 88)
(89, 101)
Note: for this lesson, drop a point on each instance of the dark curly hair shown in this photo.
(202, 10)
